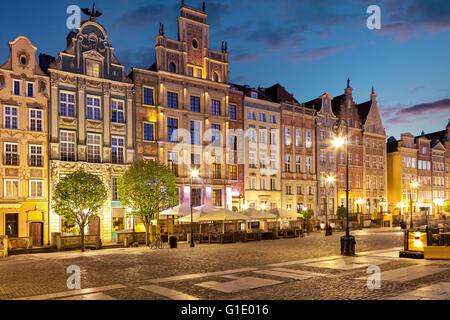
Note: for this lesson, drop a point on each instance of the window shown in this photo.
(298, 138)
(67, 145)
(428, 165)
(172, 129)
(233, 172)
(287, 164)
(368, 182)
(148, 96)
(30, 89)
(273, 136)
(273, 184)
(36, 188)
(341, 158)
(341, 181)
(172, 100)
(16, 87)
(196, 197)
(251, 115)
(67, 104)
(287, 136)
(148, 132)
(272, 118)
(172, 67)
(252, 136)
(94, 147)
(195, 161)
(217, 197)
(36, 156)
(93, 108)
(420, 164)
(330, 157)
(195, 132)
(11, 188)
(413, 163)
(115, 194)
(92, 69)
(424, 150)
(233, 142)
(357, 140)
(215, 76)
(216, 167)
(322, 156)
(357, 159)
(322, 135)
(252, 183)
(298, 164)
(11, 154)
(117, 111)
(262, 117)
(349, 158)
(232, 112)
(251, 160)
(350, 181)
(299, 190)
(172, 159)
(35, 120)
(117, 150)
(215, 107)
(262, 136)
(273, 161)
(195, 104)
(308, 139)
(254, 95)
(289, 190)
(262, 161)
(215, 135)
(358, 181)
(11, 117)
(308, 164)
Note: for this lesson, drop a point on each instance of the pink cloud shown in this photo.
(420, 109)
(310, 55)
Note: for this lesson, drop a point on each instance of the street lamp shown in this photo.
(347, 241)
(329, 180)
(414, 185)
(194, 174)
(263, 206)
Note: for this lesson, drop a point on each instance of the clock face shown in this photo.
(195, 43)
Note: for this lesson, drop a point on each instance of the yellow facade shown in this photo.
(24, 145)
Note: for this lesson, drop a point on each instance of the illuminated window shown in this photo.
(92, 69)
(232, 112)
(217, 197)
(11, 188)
(195, 104)
(148, 132)
(148, 96)
(36, 188)
(117, 114)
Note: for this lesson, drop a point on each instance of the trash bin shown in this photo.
(173, 242)
(348, 245)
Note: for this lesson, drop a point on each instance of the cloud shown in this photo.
(245, 58)
(420, 109)
(313, 54)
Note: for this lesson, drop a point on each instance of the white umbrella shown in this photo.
(259, 215)
(210, 213)
(180, 210)
(285, 214)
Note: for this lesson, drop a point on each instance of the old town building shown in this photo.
(24, 90)
(262, 126)
(91, 120)
(185, 108)
(298, 152)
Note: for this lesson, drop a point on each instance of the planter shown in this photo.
(322, 226)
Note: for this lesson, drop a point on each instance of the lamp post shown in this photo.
(360, 202)
(330, 180)
(347, 241)
(194, 174)
(414, 185)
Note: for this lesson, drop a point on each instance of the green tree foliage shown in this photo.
(79, 197)
(147, 188)
(308, 214)
(341, 212)
(446, 207)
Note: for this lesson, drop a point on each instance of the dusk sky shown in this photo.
(308, 46)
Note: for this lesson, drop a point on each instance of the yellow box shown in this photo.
(435, 252)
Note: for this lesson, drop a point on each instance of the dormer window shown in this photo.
(92, 68)
(254, 95)
(172, 67)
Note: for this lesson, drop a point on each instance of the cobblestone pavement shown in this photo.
(304, 268)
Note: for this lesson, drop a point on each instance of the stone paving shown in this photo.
(298, 269)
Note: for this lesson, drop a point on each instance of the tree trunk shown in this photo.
(82, 238)
(147, 234)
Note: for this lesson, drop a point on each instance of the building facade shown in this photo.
(185, 109)
(91, 121)
(24, 90)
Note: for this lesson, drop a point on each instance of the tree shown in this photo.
(79, 197)
(341, 212)
(147, 188)
(308, 214)
(446, 207)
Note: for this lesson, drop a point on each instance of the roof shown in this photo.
(438, 135)
(246, 89)
(336, 104)
(392, 145)
(363, 110)
(278, 93)
(314, 104)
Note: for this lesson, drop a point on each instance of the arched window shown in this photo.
(172, 67)
(216, 77)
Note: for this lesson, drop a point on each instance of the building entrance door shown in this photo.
(36, 233)
(12, 225)
(94, 227)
